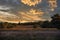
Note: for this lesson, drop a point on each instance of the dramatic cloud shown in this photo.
(31, 15)
(52, 4)
(27, 10)
(31, 2)
(7, 16)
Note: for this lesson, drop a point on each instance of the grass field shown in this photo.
(41, 29)
(30, 35)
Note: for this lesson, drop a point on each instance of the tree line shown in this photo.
(54, 23)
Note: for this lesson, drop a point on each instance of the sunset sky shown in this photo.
(28, 10)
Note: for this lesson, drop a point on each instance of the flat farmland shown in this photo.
(30, 34)
(22, 28)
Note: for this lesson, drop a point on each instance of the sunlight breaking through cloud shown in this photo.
(31, 15)
(27, 10)
(31, 2)
(52, 4)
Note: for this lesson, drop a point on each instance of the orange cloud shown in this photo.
(31, 2)
(31, 15)
(52, 4)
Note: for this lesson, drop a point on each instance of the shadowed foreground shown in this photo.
(30, 35)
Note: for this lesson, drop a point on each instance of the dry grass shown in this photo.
(41, 29)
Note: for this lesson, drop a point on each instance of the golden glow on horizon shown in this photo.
(28, 16)
(31, 15)
(36, 12)
(31, 2)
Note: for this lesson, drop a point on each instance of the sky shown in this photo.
(15, 11)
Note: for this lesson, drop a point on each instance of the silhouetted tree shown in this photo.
(1, 25)
(19, 23)
(45, 24)
(5, 24)
(56, 21)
